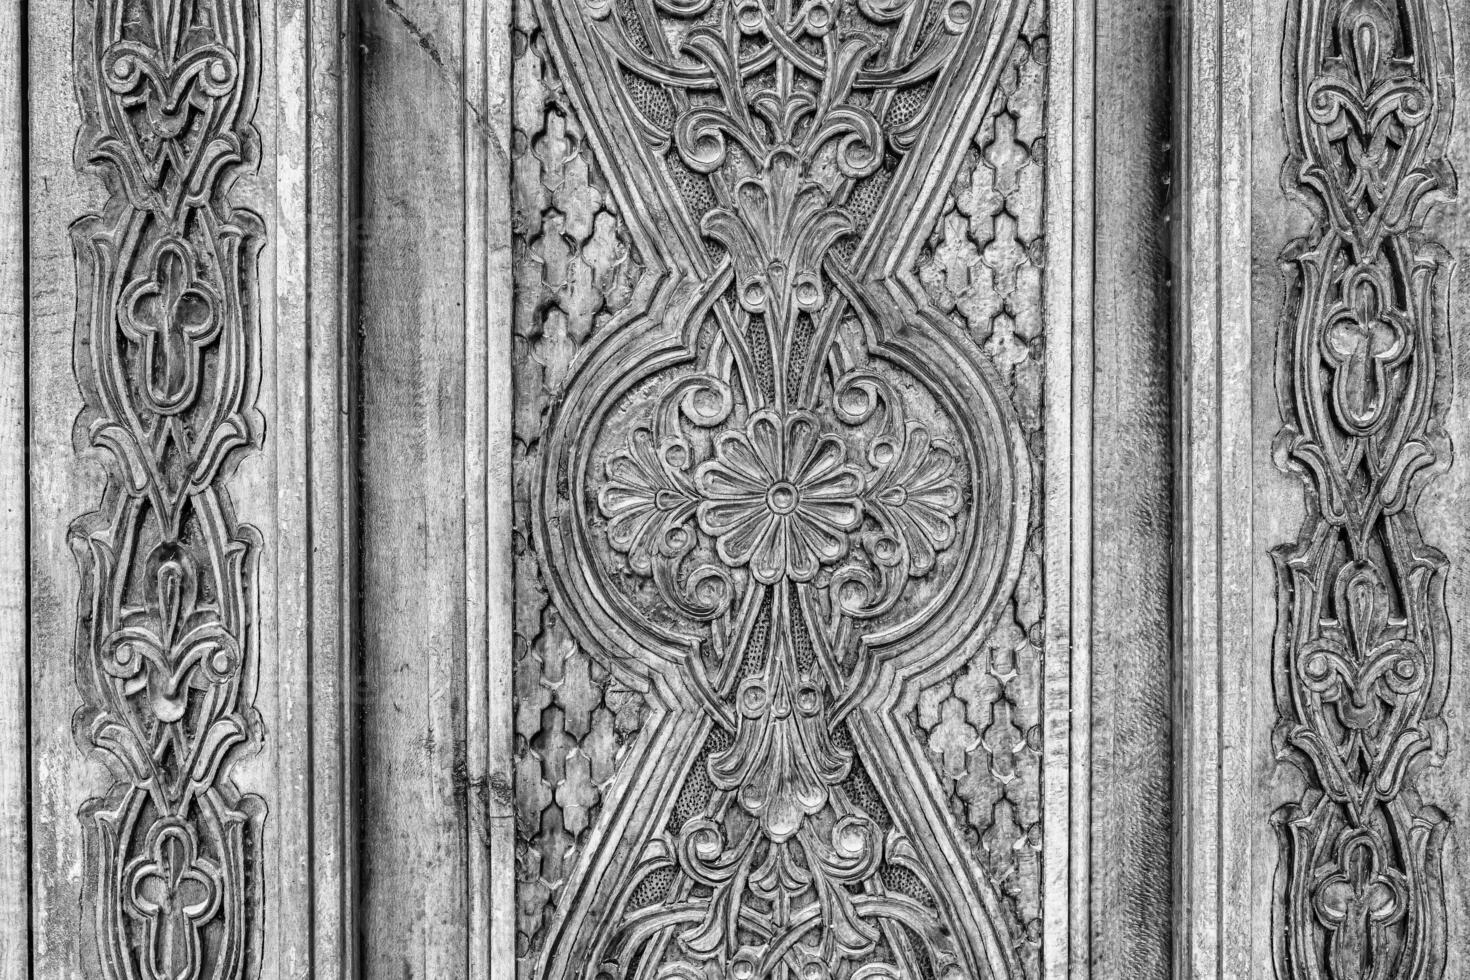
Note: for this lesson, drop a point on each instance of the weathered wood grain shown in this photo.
(1132, 519)
(15, 747)
(1218, 929)
(489, 394)
(63, 484)
(420, 532)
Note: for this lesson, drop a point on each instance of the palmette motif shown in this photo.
(166, 345)
(779, 492)
(1362, 647)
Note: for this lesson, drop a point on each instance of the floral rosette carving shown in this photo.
(1362, 641)
(779, 492)
(779, 498)
(166, 359)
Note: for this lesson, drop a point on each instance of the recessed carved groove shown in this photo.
(1362, 651)
(167, 345)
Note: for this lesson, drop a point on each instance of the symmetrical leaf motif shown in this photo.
(166, 351)
(1362, 647)
(779, 491)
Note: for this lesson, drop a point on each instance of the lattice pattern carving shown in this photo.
(1362, 651)
(984, 260)
(575, 268)
(167, 345)
(983, 265)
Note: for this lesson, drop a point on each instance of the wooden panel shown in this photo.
(1105, 627)
(648, 323)
(412, 389)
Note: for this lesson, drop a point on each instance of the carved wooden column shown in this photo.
(1324, 542)
(187, 669)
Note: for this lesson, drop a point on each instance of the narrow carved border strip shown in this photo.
(1362, 644)
(167, 349)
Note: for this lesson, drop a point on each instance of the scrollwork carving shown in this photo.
(779, 491)
(166, 350)
(1362, 653)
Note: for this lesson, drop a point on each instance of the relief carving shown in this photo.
(167, 344)
(1362, 653)
(779, 491)
(574, 271)
(983, 266)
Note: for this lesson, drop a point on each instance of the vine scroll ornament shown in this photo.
(779, 492)
(1362, 646)
(166, 352)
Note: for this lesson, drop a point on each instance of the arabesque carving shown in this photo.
(1362, 654)
(167, 344)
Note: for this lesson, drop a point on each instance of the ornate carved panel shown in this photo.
(1362, 649)
(842, 489)
(167, 352)
(777, 488)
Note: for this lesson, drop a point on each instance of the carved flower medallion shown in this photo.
(780, 497)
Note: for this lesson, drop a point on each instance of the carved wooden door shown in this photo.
(757, 489)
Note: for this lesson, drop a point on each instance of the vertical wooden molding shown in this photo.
(1215, 891)
(1362, 651)
(1125, 578)
(433, 471)
(1066, 927)
(15, 743)
(168, 360)
(310, 692)
(489, 542)
(489, 305)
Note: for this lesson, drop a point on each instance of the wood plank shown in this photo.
(63, 484)
(415, 886)
(489, 411)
